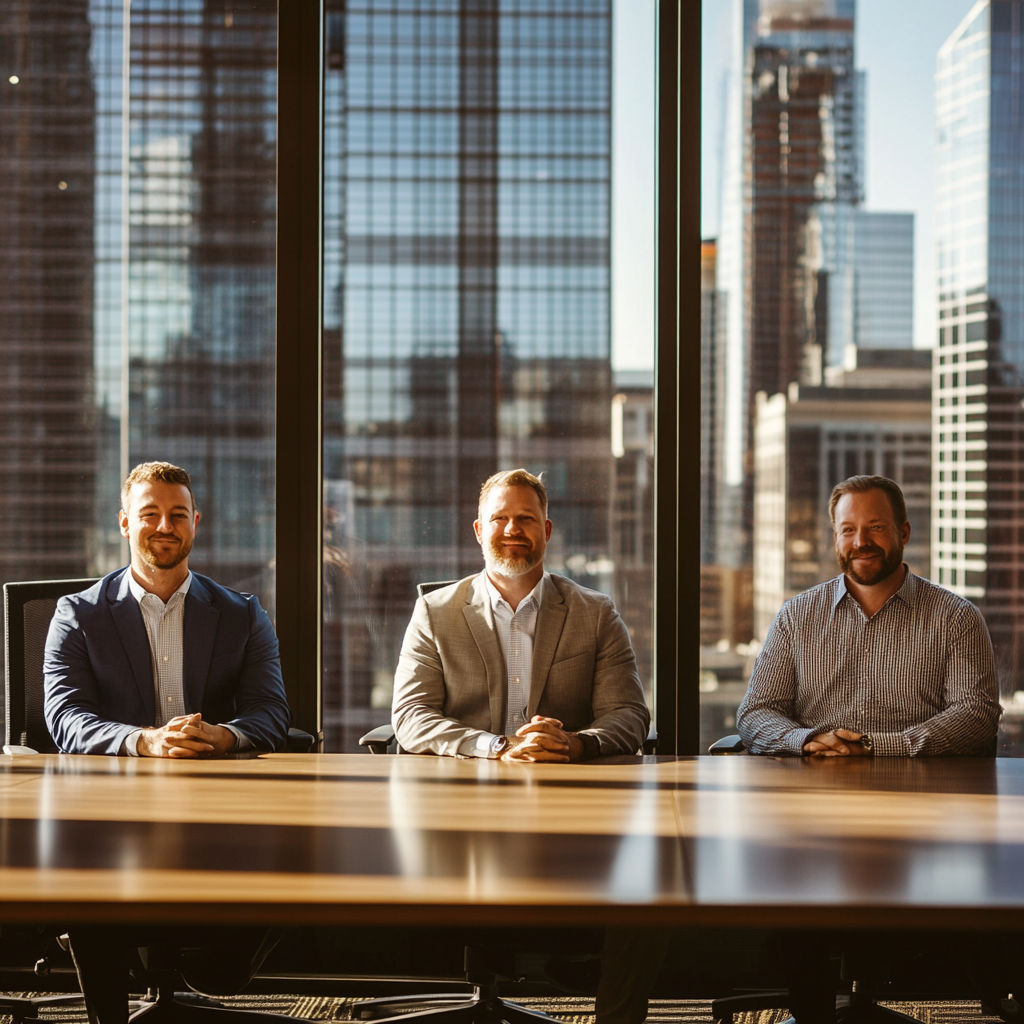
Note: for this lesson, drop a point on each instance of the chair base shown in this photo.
(852, 1009)
(192, 1008)
(478, 1008)
(23, 1009)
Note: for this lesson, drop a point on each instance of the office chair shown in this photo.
(28, 609)
(382, 739)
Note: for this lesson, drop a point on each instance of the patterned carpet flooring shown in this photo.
(569, 1009)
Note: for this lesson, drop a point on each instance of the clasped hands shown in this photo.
(543, 739)
(837, 743)
(185, 736)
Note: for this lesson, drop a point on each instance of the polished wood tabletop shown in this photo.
(354, 838)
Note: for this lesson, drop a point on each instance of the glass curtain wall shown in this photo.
(466, 320)
(201, 254)
(137, 314)
(863, 308)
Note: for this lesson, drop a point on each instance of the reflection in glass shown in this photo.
(466, 320)
(201, 269)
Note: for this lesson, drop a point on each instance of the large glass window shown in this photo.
(861, 297)
(137, 314)
(467, 328)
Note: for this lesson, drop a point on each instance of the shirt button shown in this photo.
(165, 657)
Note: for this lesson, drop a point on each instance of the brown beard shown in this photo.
(890, 563)
(169, 561)
(508, 565)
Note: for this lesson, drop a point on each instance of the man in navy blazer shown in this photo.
(156, 660)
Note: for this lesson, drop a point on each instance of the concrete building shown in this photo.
(807, 440)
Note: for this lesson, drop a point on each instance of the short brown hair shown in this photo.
(514, 478)
(860, 484)
(164, 472)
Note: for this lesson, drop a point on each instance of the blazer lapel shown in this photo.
(545, 641)
(199, 635)
(127, 616)
(477, 612)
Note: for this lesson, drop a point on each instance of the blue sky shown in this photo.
(897, 43)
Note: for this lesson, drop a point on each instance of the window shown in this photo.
(836, 276)
(467, 317)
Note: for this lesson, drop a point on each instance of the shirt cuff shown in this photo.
(242, 742)
(477, 745)
(890, 744)
(130, 744)
(794, 740)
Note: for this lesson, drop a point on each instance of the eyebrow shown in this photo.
(173, 507)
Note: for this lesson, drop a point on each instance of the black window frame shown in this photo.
(299, 485)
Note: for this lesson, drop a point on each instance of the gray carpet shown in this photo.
(570, 1009)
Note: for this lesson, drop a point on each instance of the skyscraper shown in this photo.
(467, 326)
(201, 268)
(883, 267)
(978, 479)
(48, 429)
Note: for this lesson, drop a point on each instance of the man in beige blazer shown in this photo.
(515, 662)
(519, 664)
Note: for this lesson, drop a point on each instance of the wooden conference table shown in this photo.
(357, 839)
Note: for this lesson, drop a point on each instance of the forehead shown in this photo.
(873, 504)
(512, 499)
(159, 492)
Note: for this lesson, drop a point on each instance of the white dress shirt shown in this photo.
(516, 631)
(165, 628)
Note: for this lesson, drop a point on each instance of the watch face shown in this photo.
(499, 744)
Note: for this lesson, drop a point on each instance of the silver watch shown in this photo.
(867, 741)
(499, 744)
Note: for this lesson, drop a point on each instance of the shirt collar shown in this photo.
(536, 595)
(907, 593)
(139, 591)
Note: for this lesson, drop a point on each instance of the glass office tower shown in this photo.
(978, 471)
(466, 317)
(48, 428)
(201, 255)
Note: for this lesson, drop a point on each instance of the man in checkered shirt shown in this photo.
(878, 660)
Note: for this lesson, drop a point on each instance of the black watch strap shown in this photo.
(591, 745)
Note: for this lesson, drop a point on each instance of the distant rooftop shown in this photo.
(891, 358)
(633, 379)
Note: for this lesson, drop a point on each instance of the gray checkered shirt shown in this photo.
(918, 675)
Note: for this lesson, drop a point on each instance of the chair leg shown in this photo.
(169, 1011)
(723, 1009)
(389, 1006)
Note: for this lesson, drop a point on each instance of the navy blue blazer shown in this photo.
(98, 667)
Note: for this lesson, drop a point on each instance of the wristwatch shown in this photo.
(499, 744)
(867, 741)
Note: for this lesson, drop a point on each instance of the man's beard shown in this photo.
(509, 564)
(168, 561)
(890, 563)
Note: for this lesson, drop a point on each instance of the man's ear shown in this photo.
(122, 522)
(476, 530)
(547, 529)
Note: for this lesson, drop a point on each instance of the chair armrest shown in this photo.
(727, 745)
(300, 742)
(651, 743)
(379, 739)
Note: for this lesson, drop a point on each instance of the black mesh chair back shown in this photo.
(425, 588)
(28, 609)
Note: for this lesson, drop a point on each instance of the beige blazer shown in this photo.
(451, 682)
